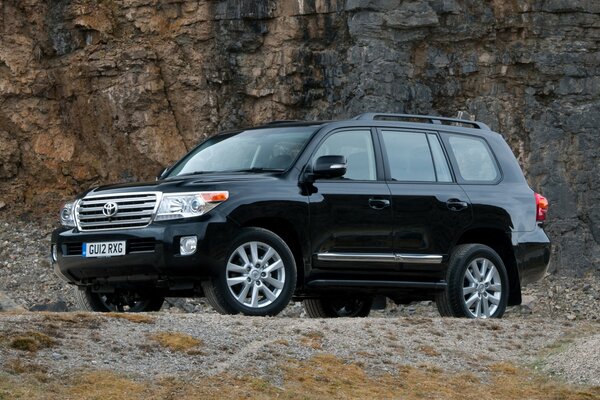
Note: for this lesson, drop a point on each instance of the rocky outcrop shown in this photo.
(112, 90)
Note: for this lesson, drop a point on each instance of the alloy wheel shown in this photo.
(482, 288)
(255, 274)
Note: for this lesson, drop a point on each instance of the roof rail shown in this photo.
(431, 119)
(283, 121)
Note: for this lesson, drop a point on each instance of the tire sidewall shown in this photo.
(89, 301)
(289, 265)
(363, 310)
(481, 251)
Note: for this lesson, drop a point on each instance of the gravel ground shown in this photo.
(237, 344)
(555, 330)
(577, 362)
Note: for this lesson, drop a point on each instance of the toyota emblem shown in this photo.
(110, 209)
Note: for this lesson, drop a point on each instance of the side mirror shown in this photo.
(162, 173)
(329, 167)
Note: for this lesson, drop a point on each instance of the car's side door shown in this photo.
(351, 217)
(430, 209)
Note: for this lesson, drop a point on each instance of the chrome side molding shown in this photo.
(382, 257)
(419, 258)
(356, 257)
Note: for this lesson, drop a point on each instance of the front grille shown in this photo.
(134, 210)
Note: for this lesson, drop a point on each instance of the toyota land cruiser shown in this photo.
(328, 213)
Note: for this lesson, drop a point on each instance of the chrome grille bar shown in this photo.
(104, 199)
(149, 205)
(143, 222)
(133, 210)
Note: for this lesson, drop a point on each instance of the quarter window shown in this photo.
(474, 159)
(357, 147)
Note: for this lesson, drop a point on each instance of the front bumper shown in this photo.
(152, 253)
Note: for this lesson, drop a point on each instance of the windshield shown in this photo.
(267, 149)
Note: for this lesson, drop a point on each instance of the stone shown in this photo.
(591, 6)
(382, 5)
(10, 155)
(56, 306)
(7, 304)
(412, 15)
(445, 6)
(525, 310)
(528, 302)
(366, 24)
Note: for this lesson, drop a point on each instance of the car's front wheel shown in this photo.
(117, 302)
(477, 284)
(333, 307)
(258, 278)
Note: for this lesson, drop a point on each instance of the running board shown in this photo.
(376, 284)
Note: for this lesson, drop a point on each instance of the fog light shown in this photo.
(187, 245)
(54, 253)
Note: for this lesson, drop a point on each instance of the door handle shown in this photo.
(456, 205)
(378, 204)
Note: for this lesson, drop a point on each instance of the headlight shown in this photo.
(187, 205)
(67, 215)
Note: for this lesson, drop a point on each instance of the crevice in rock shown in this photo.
(169, 102)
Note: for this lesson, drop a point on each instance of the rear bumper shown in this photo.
(532, 252)
(152, 253)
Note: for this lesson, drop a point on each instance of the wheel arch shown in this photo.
(501, 243)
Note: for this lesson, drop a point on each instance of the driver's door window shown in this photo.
(357, 147)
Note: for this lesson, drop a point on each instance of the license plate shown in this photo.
(104, 249)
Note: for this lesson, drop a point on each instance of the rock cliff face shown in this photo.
(111, 90)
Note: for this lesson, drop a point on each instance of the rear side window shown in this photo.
(415, 157)
(474, 159)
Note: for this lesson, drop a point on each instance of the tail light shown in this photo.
(541, 208)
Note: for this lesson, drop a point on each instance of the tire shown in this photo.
(327, 307)
(477, 284)
(258, 276)
(117, 302)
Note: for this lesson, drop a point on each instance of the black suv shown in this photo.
(331, 213)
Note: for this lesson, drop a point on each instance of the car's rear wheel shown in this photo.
(258, 278)
(118, 301)
(333, 307)
(477, 284)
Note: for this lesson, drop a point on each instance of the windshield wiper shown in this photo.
(195, 173)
